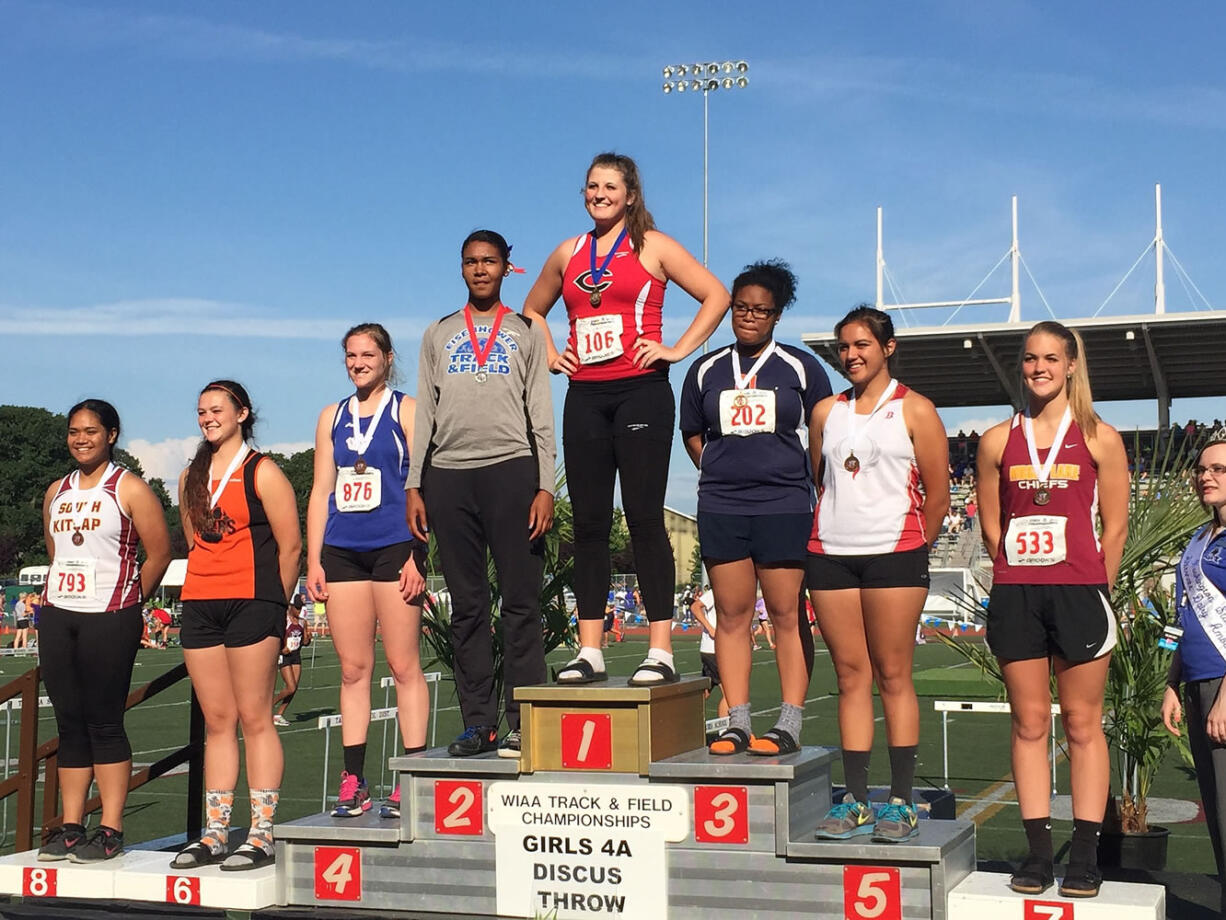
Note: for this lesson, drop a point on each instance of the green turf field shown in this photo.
(978, 744)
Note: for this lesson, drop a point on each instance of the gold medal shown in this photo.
(594, 300)
(740, 401)
(359, 465)
(851, 464)
(1041, 495)
(78, 538)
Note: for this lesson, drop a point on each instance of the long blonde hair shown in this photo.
(1077, 387)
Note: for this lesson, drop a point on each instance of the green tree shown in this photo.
(33, 452)
(696, 565)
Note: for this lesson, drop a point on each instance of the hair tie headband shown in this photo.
(226, 389)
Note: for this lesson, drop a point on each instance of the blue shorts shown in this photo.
(767, 539)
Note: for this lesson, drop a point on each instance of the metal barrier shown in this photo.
(945, 707)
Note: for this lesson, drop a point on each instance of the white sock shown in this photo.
(654, 654)
(593, 656)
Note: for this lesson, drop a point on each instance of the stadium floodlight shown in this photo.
(668, 72)
(668, 87)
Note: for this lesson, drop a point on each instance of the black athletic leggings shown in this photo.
(620, 428)
(86, 660)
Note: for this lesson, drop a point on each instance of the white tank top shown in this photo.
(95, 567)
(870, 501)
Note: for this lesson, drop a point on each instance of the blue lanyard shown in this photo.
(597, 273)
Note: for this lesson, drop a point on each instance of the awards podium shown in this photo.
(614, 809)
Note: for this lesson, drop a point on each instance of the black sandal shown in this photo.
(194, 856)
(248, 856)
(667, 674)
(774, 743)
(587, 674)
(730, 741)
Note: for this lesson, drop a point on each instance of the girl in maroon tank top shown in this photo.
(1053, 490)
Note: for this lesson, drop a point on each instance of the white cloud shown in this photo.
(166, 459)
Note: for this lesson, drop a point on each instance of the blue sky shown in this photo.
(194, 190)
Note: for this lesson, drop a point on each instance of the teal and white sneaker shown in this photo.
(846, 820)
(897, 822)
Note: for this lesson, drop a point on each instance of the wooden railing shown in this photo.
(31, 754)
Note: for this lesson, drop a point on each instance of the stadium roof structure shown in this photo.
(1156, 355)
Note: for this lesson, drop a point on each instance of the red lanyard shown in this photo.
(483, 354)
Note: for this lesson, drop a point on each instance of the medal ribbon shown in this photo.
(361, 442)
(1042, 472)
(881, 401)
(598, 273)
(482, 354)
(742, 381)
(215, 491)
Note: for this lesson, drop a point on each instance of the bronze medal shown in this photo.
(594, 300)
(359, 465)
(851, 464)
(1041, 495)
(481, 376)
(78, 538)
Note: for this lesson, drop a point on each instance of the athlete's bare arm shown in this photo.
(987, 484)
(47, 539)
(322, 485)
(693, 447)
(931, 445)
(1107, 449)
(143, 507)
(817, 422)
(664, 257)
(540, 300)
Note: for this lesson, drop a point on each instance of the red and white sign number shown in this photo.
(37, 882)
(871, 893)
(458, 808)
(338, 874)
(587, 741)
(182, 889)
(721, 814)
(1047, 910)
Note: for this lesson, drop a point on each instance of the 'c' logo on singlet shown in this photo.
(584, 282)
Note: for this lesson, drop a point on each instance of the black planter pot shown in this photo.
(1134, 851)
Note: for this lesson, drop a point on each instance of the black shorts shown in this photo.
(908, 569)
(767, 539)
(232, 623)
(290, 658)
(710, 668)
(1073, 622)
(23, 623)
(383, 564)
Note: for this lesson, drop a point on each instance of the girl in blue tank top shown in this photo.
(362, 561)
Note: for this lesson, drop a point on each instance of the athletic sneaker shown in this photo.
(510, 744)
(849, 818)
(391, 808)
(105, 843)
(897, 822)
(280, 721)
(354, 797)
(477, 739)
(61, 842)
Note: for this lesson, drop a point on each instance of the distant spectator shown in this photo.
(21, 620)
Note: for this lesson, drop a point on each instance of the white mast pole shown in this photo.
(880, 264)
(1015, 254)
(1159, 245)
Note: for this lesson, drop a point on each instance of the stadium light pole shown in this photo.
(705, 78)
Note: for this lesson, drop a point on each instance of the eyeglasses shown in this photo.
(1214, 469)
(740, 309)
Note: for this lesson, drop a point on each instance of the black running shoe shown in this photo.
(105, 843)
(477, 739)
(1081, 882)
(61, 842)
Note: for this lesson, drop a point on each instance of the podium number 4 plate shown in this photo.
(587, 741)
(338, 874)
(871, 893)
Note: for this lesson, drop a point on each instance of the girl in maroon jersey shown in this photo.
(618, 420)
(1043, 475)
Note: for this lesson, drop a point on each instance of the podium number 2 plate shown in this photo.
(587, 741)
(871, 893)
(721, 814)
(458, 808)
(338, 874)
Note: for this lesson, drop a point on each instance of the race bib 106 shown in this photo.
(1036, 539)
(598, 338)
(746, 412)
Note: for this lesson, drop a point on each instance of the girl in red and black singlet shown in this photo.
(618, 419)
(240, 519)
(1053, 490)
(91, 623)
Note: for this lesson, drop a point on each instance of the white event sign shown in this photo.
(585, 850)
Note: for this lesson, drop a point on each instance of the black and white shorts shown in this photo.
(1073, 622)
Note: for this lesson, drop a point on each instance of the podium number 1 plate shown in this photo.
(871, 893)
(587, 741)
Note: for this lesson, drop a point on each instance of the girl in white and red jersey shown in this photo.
(92, 623)
(884, 491)
(618, 419)
(1053, 489)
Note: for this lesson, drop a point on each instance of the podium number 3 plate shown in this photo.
(871, 893)
(587, 741)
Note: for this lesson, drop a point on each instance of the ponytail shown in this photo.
(196, 486)
(1077, 387)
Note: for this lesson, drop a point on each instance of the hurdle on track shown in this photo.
(945, 707)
